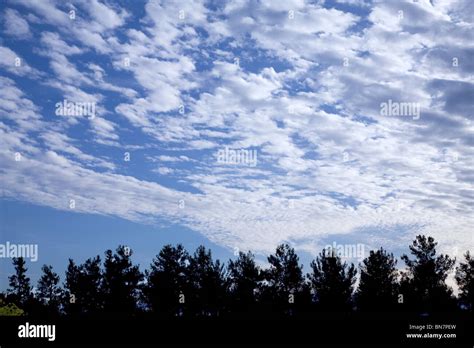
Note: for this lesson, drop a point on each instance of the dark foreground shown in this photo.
(452, 330)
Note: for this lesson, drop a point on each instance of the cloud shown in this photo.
(164, 170)
(16, 107)
(299, 83)
(15, 25)
(15, 64)
(105, 131)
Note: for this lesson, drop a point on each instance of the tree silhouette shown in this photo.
(244, 277)
(178, 284)
(464, 279)
(284, 281)
(83, 294)
(378, 286)
(49, 291)
(120, 282)
(206, 289)
(424, 282)
(166, 281)
(332, 282)
(20, 288)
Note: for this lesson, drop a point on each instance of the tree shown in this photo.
(332, 282)
(423, 284)
(179, 284)
(464, 278)
(378, 287)
(120, 282)
(83, 295)
(284, 282)
(206, 289)
(20, 288)
(244, 277)
(9, 309)
(48, 290)
(166, 281)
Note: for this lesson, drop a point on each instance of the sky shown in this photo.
(238, 125)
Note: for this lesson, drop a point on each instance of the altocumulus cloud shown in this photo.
(175, 82)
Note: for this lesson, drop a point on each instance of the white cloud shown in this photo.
(15, 25)
(16, 107)
(164, 170)
(15, 63)
(328, 161)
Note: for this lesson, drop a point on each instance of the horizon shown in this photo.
(236, 125)
(190, 241)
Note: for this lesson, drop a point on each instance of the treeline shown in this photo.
(179, 284)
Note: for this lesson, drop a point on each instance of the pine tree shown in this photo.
(332, 282)
(464, 279)
(121, 281)
(83, 295)
(423, 285)
(244, 277)
(284, 285)
(49, 291)
(207, 284)
(378, 287)
(20, 288)
(166, 281)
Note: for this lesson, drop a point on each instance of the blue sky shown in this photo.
(63, 235)
(172, 83)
